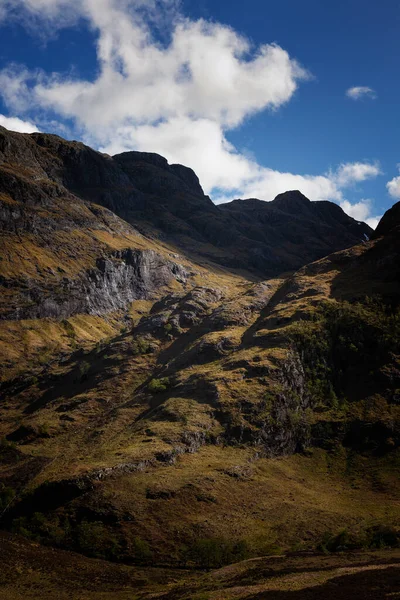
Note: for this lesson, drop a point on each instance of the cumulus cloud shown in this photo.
(361, 211)
(15, 124)
(179, 96)
(350, 173)
(393, 187)
(359, 92)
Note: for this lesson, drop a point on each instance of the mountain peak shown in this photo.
(292, 200)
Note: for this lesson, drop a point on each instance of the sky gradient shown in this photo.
(256, 98)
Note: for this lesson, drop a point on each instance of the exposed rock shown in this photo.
(239, 472)
(116, 281)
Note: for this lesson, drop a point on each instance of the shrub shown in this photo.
(340, 542)
(5, 445)
(43, 430)
(84, 368)
(69, 329)
(379, 536)
(383, 536)
(210, 553)
(141, 346)
(94, 539)
(7, 495)
(158, 385)
(40, 528)
(141, 550)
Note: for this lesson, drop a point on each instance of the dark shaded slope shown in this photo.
(390, 221)
(297, 230)
(167, 201)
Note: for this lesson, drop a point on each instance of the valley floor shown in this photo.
(29, 570)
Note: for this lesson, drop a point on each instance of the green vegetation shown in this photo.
(94, 539)
(84, 368)
(208, 553)
(7, 495)
(140, 346)
(5, 445)
(69, 329)
(90, 538)
(141, 550)
(341, 341)
(41, 529)
(159, 385)
(379, 536)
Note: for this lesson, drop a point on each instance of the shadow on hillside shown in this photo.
(87, 370)
(366, 585)
(376, 272)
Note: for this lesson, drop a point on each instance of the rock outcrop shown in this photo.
(115, 282)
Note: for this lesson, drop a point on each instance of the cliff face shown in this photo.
(115, 282)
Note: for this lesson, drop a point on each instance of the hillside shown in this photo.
(159, 407)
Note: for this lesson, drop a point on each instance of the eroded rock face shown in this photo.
(116, 281)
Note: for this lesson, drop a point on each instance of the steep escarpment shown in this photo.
(112, 285)
(65, 257)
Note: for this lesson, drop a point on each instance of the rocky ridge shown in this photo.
(167, 201)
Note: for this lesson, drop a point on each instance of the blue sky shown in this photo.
(253, 95)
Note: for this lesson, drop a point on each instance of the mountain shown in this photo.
(161, 406)
(167, 202)
(294, 230)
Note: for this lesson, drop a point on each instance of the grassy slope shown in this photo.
(175, 479)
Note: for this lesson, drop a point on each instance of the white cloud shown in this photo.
(373, 221)
(361, 211)
(15, 124)
(179, 98)
(359, 92)
(350, 173)
(206, 71)
(393, 186)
